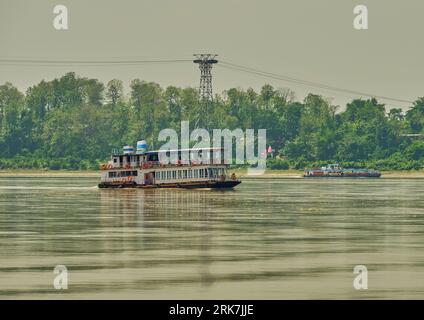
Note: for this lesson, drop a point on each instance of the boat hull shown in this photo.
(336, 171)
(376, 175)
(184, 185)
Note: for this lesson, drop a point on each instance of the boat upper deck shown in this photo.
(180, 157)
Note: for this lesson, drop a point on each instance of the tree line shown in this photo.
(74, 122)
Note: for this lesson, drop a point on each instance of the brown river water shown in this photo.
(268, 239)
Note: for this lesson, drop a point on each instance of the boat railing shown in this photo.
(154, 164)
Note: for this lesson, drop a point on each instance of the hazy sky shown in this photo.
(311, 40)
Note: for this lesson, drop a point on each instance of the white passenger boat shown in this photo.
(143, 169)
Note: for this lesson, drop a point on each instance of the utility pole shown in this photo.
(205, 62)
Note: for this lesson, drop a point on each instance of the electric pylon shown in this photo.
(205, 62)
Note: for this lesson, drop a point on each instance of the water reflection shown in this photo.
(267, 239)
(162, 208)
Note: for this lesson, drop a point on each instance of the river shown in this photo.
(268, 239)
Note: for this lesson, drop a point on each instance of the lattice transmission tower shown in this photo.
(205, 62)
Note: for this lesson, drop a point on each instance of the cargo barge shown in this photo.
(336, 171)
(143, 169)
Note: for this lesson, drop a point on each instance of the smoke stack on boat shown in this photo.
(141, 146)
(128, 150)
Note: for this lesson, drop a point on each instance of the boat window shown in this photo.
(134, 173)
(153, 157)
(185, 174)
(179, 174)
(174, 174)
(112, 174)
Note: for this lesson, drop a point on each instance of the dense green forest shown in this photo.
(74, 122)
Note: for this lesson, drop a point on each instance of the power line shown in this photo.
(275, 78)
(47, 62)
(306, 83)
(228, 65)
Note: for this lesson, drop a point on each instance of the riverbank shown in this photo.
(242, 173)
(48, 173)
